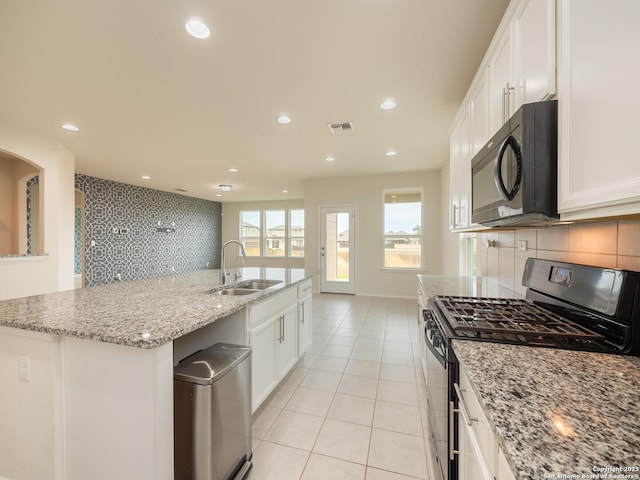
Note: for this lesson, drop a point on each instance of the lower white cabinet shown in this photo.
(479, 457)
(305, 319)
(273, 337)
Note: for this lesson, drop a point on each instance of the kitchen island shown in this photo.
(87, 375)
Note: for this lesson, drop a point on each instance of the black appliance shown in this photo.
(567, 306)
(514, 176)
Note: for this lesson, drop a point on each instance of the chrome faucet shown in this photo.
(224, 267)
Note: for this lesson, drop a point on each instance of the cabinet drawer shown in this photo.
(272, 305)
(486, 437)
(304, 289)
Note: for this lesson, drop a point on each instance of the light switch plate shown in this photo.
(522, 245)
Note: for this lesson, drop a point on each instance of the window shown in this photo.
(250, 232)
(275, 237)
(296, 233)
(403, 229)
(283, 232)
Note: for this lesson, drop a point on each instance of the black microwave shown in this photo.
(514, 179)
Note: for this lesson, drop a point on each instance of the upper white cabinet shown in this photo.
(519, 67)
(598, 175)
(522, 59)
(460, 174)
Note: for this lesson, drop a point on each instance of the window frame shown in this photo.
(287, 238)
(420, 236)
(260, 229)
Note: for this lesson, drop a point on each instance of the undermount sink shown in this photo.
(236, 291)
(259, 284)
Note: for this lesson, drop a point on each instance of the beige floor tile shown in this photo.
(263, 420)
(308, 359)
(320, 467)
(397, 373)
(397, 392)
(293, 429)
(397, 337)
(343, 351)
(398, 358)
(358, 386)
(361, 368)
(321, 380)
(277, 462)
(331, 364)
(343, 440)
(281, 395)
(296, 375)
(391, 346)
(311, 401)
(366, 354)
(370, 343)
(342, 341)
(398, 453)
(352, 409)
(377, 474)
(398, 418)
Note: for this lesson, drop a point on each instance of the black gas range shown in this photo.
(567, 306)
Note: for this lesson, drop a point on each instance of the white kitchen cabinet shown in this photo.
(479, 111)
(521, 59)
(477, 444)
(598, 176)
(305, 317)
(460, 174)
(273, 337)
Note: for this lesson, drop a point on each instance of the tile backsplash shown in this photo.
(140, 251)
(612, 244)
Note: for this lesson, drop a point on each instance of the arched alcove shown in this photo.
(21, 220)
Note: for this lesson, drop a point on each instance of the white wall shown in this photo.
(366, 193)
(31, 276)
(231, 231)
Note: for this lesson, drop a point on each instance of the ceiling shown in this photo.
(151, 100)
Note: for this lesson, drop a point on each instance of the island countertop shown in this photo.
(140, 313)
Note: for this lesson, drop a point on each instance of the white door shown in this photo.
(337, 242)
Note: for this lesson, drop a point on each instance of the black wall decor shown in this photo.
(123, 240)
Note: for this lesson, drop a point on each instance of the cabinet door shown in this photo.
(535, 47)
(264, 359)
(288, 343)
(304, 324)
(460, 171)
(479, 108)
(500, 83)
(471, 465)
(504, 469)
(599, 175)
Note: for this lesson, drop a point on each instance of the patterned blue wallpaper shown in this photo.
(34, 181)
(77, 243)
(138, 250)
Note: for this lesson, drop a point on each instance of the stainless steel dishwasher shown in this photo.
(212, 414)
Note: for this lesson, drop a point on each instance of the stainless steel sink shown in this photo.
(258, 284)
(236, 291)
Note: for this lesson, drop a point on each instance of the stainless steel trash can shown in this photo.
(212, 414)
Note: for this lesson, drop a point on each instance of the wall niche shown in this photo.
(21, 221)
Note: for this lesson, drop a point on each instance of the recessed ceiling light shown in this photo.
(391, 153)
(388, 104)
(146, 177)
(197, 29)
(71, 127)
(233, 170)
(329, 159)
(218, 194)
(225, 188)
(285, 191)
(283, 119)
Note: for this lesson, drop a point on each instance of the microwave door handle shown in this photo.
(497, 173)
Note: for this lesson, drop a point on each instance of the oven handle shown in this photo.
(452, 411)
(435, 352)
(463, 407)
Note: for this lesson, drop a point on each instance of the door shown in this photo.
(337, 242)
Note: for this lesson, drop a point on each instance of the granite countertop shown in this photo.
(558, 412)
(140, 313)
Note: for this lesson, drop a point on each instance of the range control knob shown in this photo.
(437, 340)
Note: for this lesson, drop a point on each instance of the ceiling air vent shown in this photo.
(345, 127)
(182, 190)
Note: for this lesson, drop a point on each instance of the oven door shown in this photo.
(437, 372)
